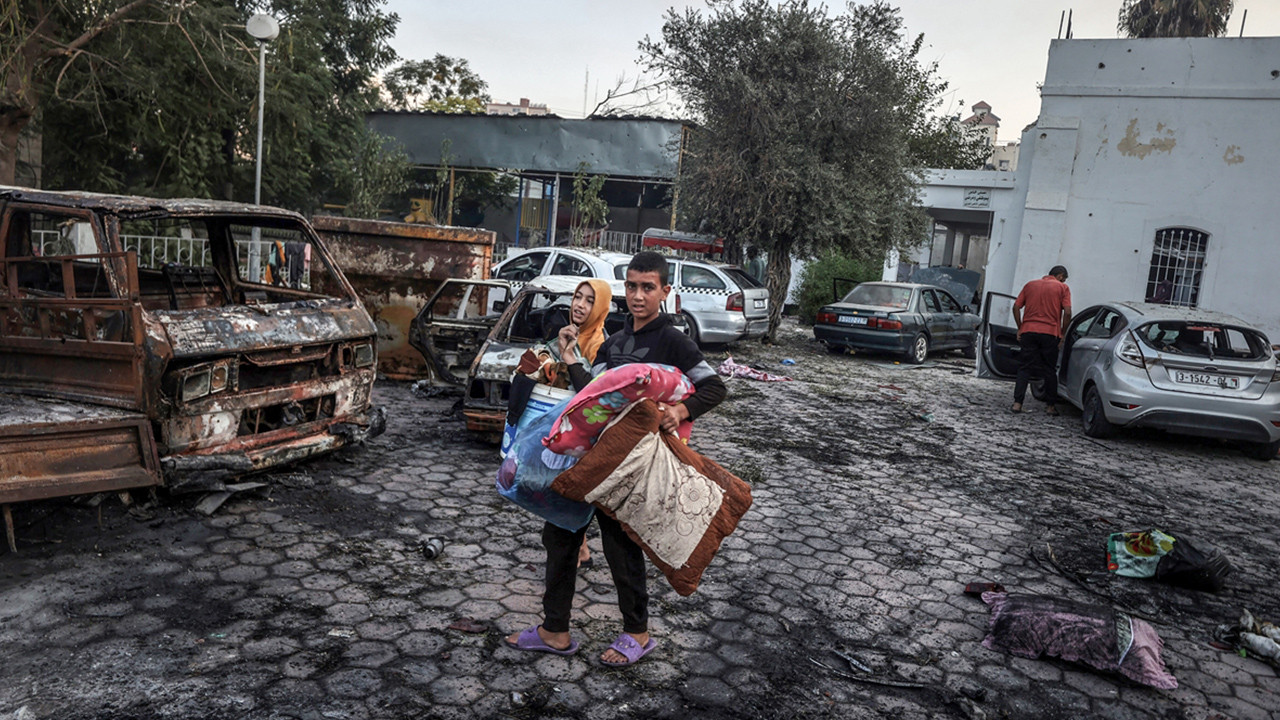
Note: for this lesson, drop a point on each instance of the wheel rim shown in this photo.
(922, 348)
(1091, 408)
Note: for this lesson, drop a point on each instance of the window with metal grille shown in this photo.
(1177, 265)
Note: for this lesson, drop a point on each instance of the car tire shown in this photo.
(693, 329)
(1093, 417)
(1263, 451)
(970, 351)
(919, 349)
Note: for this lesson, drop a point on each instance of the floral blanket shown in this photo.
(676, 504)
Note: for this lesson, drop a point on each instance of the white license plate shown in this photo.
(759, 304)
(853, 320)
(1219, 381)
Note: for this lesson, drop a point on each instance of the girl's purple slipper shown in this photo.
(627, 647)
(530, 640)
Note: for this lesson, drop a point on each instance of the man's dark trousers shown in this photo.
(1038, 358)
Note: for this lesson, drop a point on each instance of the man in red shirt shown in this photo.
(1047, 306)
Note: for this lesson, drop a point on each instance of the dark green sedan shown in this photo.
(905, 318)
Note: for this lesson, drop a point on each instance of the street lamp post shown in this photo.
(264, 29)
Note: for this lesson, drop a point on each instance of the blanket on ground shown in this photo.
(676, 504)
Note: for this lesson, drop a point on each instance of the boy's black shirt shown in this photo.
(660, 342)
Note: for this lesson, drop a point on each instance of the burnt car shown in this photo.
(907, 318)
(1180, 369)
(448, 327)
(227, 326)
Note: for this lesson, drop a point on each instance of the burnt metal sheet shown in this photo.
(395, 268)
(250, 328)
(52, 449)
(618, 147)
(130, 206)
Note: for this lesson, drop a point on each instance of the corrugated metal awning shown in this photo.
(618, 147)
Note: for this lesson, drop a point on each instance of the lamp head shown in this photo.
(263, 28)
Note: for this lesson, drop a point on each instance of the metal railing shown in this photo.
(156, 251)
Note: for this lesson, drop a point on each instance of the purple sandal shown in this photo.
(627, 647)
(530, 640)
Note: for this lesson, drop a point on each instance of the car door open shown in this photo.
(454, 324)
(999, 337)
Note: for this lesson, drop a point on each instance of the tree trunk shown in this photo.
(11, 124)
(777, 278)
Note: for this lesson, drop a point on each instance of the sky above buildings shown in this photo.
(990, 50)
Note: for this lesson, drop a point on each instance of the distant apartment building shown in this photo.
(985, 123)
(523, 108)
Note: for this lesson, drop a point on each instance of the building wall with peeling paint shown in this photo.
(1138, 135)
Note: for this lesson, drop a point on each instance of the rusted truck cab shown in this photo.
(228, 326)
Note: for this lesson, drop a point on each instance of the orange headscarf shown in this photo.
(591, 331)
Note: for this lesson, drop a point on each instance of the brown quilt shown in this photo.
(676, 504)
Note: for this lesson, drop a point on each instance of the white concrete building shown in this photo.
(1150, 173)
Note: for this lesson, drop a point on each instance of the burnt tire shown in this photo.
(1263, 451)
(970, 351)
(1093, 417)
(919, 351)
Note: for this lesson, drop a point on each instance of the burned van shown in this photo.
(227, 326)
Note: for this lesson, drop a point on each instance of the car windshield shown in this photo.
(879, 296)
(1204, 340)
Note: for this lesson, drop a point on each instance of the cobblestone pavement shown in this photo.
(880, 490)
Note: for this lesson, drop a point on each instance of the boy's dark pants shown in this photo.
(1038, 358)
(626, 562)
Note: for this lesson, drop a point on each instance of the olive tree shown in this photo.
(803, 127)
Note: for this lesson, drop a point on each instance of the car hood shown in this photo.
(252, 328)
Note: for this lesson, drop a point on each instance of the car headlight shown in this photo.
(207, 379)
(196, 385)
(363, 355)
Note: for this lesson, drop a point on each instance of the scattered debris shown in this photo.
(865, 679)
(211, 502)
(927, 417)
(470, 625)
(1261, 639)
(296, 480)
(977, 588)
(345, 633)
(1176, 561)
(425, 389)
(433, 547)
(1101, 637)
(857, 664)
(729, 368)
(788, 361)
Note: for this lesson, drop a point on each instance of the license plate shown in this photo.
(1220, 381)
(760, 304)
(853, 320)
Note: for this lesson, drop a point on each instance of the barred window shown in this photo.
(1177, 264)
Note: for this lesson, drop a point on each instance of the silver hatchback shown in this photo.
(721, 303)
(1179, 369)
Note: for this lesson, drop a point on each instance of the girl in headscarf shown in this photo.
(579, 341)
(582, 337)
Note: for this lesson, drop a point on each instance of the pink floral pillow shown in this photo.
(577, 428)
